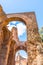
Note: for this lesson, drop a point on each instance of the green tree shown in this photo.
(41, 33)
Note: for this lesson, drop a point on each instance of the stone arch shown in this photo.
(32, 35)
(23, 49)
(16, 17)
(29, 25)
(20, 48)
(14, 48)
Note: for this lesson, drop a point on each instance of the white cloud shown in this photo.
(21, 28)
(11, 24)
(10, 27)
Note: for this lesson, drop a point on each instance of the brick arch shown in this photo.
(14, 48)
(30, 28)
(32, 35)
(16, 17)
(20, 48)
(24, 49)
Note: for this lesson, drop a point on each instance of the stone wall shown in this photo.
(8, 45)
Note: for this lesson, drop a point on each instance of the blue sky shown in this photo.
(17, 6)
(21, 29)
(21, 53)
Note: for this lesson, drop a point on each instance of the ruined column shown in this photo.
(15, 35)
(33, 37)
(1, 36)
(11, 54)
(13, 61)
(3, 44)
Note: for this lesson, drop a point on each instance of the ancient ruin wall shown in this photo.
(6, 42)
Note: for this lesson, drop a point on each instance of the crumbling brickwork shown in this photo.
(10, 44)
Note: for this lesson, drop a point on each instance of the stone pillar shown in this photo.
(3, 46)
(1, 36)
(32, 37)
(15, 35)
(13, 61)
(11, 54)
(4, 50)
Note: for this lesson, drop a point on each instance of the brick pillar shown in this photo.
(1, 35)
(15, 35)
(4, 54)
(1, 47)
(4, 49)
(11, 54)
(31, 46)
(13, 61)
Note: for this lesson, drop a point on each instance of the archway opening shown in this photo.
(21, 30)
(21, 57)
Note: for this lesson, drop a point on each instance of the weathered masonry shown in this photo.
(8, 44)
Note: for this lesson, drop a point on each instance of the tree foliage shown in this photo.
(41, 33)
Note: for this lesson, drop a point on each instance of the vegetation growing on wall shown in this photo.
(41, 33)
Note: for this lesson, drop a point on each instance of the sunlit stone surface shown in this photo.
(8, 40)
